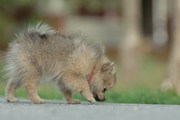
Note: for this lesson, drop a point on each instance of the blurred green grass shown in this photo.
(144, 90)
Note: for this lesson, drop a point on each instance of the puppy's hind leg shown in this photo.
(31, 82)
(11, 87)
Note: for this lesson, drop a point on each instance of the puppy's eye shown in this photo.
(104, 90)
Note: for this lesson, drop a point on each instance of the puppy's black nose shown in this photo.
(100, 100)
(96, 98)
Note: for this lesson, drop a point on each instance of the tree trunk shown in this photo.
(132, 38)
(172, 80)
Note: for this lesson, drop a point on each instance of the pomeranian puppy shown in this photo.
(74, 64)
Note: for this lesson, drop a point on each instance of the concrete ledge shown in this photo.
(57, 110)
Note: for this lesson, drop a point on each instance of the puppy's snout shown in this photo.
(98, 99)
(103, 99)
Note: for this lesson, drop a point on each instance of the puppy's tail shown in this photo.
(35, 32)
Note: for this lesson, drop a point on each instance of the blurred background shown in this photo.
(141, 37)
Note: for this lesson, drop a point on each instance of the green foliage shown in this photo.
(144, 96)
(14, 13)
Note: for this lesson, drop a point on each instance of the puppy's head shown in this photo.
(104, 80)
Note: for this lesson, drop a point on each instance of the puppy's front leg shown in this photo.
(68, 96)
(85, 91)
(88, 95)
(79, 84)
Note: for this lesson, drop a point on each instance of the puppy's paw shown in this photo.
(38, 101)
(11, 99)
(73, 101)
(92, 100)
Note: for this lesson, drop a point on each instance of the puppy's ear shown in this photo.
(107, 67)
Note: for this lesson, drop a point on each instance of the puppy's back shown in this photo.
(47, 50)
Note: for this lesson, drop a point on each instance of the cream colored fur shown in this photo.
(68, 59)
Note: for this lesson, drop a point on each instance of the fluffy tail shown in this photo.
(40, 30)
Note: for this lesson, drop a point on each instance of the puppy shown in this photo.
(74, 64)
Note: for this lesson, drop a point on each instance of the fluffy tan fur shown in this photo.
(68, 59)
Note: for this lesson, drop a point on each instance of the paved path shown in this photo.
(58, 110)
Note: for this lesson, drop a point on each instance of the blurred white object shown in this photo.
(160, 36)
(50, 7)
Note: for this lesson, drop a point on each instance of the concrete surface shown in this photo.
(58, 110)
